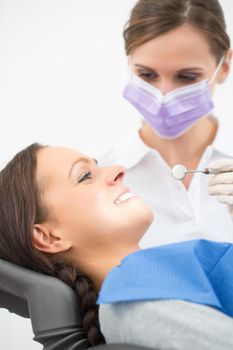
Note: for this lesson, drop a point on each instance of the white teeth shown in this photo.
(123, 197)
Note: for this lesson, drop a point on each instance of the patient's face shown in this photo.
(90, 205)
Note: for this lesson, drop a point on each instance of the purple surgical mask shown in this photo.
(172, 114)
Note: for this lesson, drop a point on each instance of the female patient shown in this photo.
(62, 215)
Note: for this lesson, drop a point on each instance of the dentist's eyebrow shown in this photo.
(144, 67)
(178, 71)
(81, 160)
(188, 69)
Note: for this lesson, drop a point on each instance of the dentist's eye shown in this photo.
(85, 176)
(147, 75)
(188, 78)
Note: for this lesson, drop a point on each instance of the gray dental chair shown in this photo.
(50, 304)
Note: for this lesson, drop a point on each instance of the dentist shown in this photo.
(178, 52)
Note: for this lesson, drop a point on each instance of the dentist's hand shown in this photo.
(221, 185)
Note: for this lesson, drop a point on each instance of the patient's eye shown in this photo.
(85, 176)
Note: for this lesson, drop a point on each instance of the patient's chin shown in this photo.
(144, 221)
(149, 218)
(147, 214)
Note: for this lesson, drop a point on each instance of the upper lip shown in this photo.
(126, 190)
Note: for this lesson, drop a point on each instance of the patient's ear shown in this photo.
(48, 241)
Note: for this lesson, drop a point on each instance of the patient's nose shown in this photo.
(115, 175)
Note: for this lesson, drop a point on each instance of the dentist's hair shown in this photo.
(152, 18)
(21, 206)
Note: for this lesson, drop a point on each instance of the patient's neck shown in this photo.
(97, 264)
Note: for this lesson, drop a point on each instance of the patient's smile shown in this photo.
(123, 197)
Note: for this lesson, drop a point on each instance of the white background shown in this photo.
(62, 71)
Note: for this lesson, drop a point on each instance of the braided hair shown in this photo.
(86, 295)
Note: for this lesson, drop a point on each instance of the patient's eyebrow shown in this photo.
(81, 160)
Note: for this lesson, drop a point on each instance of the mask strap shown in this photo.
(217, 70)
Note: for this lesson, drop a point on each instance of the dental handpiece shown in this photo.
(179, 171)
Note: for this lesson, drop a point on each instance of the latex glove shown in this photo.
(221, 185)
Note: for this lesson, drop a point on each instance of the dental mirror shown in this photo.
(179, 171)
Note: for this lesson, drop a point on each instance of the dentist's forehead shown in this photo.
(178, 47)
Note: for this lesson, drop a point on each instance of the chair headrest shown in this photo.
(50, 303)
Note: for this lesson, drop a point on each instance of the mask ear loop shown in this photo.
(217, 70)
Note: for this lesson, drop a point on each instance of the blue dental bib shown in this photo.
(198, 271)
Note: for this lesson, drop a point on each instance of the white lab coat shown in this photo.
(180, 214)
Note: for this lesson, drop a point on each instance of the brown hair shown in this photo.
(151, 18)
(20, 208)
